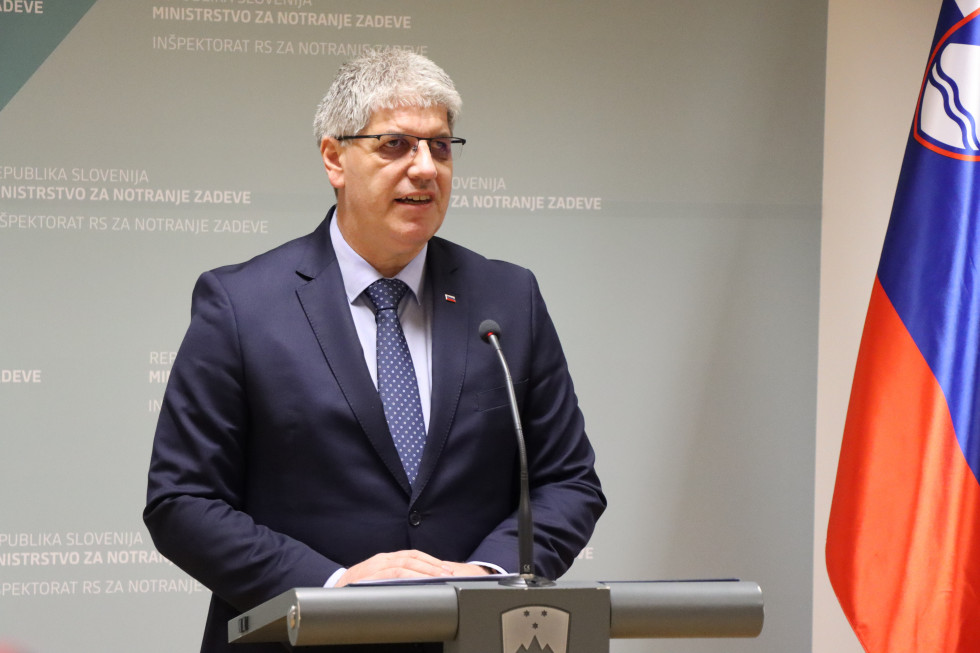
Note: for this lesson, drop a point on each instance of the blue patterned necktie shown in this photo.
(397, 384)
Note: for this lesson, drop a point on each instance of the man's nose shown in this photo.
(422, 163)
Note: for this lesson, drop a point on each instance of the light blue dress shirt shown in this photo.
(414, 312)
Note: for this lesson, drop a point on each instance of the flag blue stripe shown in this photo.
(930, 260)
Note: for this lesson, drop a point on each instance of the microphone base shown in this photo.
(528, 581)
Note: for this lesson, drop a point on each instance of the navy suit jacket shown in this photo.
(273, 466)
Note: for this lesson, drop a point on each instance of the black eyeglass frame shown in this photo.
(453, 140)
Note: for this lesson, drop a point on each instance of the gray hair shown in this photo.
(382, 79)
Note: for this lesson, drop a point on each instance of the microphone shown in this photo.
(490, 333)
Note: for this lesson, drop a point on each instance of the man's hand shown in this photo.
(406, 564)
(464, 569)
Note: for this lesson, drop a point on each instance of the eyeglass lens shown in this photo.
(395, 146)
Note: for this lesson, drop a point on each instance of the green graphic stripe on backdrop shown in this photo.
(30, 30)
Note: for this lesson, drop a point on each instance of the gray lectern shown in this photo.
(481, 616)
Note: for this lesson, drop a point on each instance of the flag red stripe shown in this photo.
(904, 532)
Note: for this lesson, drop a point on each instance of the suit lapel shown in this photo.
(450, 312)
(325, 302)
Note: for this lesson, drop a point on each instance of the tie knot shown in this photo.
(386, 293)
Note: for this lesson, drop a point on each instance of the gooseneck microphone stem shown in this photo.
(525, 553)
(489, 331)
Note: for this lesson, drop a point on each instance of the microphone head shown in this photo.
(487, 327)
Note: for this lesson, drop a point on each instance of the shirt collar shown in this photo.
(358, 274)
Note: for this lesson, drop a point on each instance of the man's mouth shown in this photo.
(414, 199)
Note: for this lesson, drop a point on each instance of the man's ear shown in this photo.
(330, 151)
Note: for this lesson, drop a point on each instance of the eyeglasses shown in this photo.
(392, 147)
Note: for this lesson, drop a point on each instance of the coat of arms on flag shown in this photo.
(535, 629)
(948, 114)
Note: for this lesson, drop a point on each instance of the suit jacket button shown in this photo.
(415, 518)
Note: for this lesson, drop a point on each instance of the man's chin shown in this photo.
(425, 218)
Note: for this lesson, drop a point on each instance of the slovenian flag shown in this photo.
(903, 543)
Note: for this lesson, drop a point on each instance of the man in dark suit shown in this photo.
(274, 465)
